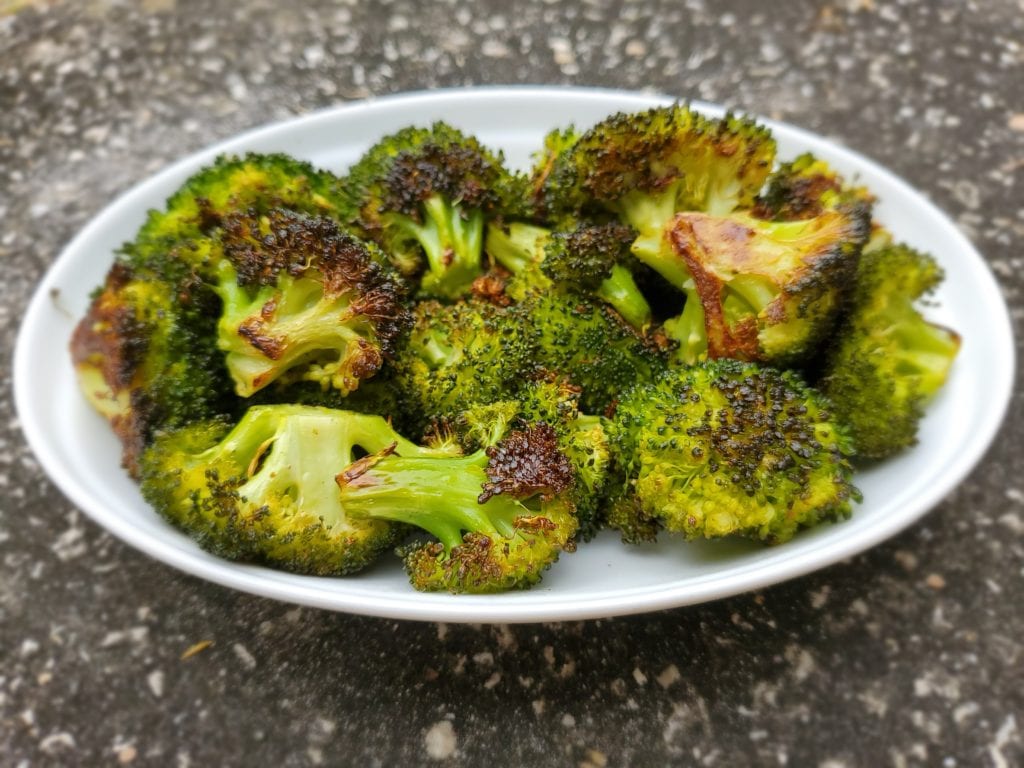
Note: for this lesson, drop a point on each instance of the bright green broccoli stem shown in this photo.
(650, 214)
(690, 331)
(438, 495)
(621, 291)
(926, 351)
(452, 239)
(517, 247)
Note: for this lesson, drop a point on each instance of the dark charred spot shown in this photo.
(526, 463)
(491, 288)
(457, 173)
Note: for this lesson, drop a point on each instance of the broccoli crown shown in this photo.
(549, 198)
(590, 344)
(458, 355)
(553, 401)
(265, 490)
(259, 182)
(424, 195)
(766, 291)
(727, 447)
(305, 299)
(146, 358)
(887, 360)
(648, 165)
(491, 541)
(805, 188)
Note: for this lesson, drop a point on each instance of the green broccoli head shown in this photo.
(887, 360)
(459, 355)
(424, 195)
(647, 166)
(501, 538)
(727, 447)
(304, 299)
(805, 188)
(265, 490)
(553, 401)
(589, 343)
(258, 182)
(760, 290)
(146, 357)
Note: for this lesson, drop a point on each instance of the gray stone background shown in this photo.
(910, 654)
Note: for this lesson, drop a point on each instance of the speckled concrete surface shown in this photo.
(908, 655)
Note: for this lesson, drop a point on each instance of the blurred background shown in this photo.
(908, 655)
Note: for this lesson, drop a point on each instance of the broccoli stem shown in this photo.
(689, 330)
(452, 239)
(438, 495)
(518, 247)
(650, 213)
(620, 290)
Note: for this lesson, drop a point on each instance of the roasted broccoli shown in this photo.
(886, 360)
(321, 491)
(805, 188)
(647, 166)
(146, 357)
(590, 344)
(760, 290)
(302, 298)
(727, 447)
(590, 258)
(458, 355)
(172, 239)
(424, 195)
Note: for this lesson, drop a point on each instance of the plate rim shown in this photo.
(489, 609)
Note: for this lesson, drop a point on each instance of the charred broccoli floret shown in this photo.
(458, 355)
(146, 356)
(230, 185)
(265, 491)
(424, 195)
(302, 298)
(887, 360)
(805, 188)
(763, 290)
(321, 491)
(727, 447)
(647, 166)
(591, 258)
(551, 400)
(590, 344)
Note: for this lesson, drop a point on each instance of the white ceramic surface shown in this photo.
(603, 578)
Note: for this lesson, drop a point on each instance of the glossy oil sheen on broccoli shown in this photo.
(886, 360)
(725, 448)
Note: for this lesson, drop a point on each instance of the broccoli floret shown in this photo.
(760, 290)
(302, 298)
(265, 490)
(647, 166)
(592, 258)
(887, 360)
(146, 356)
(805, 188)
(426, 194)
(548, 196)
(230, 185)
(459, 355)
(551, 400)
(589, 343)
(727, 447)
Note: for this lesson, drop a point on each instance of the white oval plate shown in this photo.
(603, 578)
